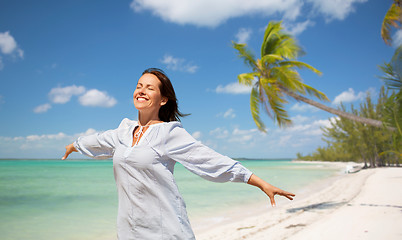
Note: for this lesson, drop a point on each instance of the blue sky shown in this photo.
(69, 68)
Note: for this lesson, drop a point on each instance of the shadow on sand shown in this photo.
(317, 206)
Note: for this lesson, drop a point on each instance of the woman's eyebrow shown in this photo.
(147, 85)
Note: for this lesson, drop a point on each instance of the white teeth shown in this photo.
(141, 99)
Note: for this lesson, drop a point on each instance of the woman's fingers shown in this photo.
(288, 195)
(280, 192)
(65, 156)
(273, 204)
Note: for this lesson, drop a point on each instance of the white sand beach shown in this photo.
(362, 205)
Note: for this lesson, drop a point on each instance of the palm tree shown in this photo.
(393, 18)
(274, 78)
(393, 107)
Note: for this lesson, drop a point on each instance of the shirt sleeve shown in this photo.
(98, 145)
(181, 147)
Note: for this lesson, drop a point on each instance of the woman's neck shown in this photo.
(147, 120)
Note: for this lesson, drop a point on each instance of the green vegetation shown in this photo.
(353, 141)
(393, 18)
(371, 133)
(274, 78)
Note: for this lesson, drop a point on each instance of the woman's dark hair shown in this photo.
(170, 111)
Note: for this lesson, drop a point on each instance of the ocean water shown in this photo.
(77, 199)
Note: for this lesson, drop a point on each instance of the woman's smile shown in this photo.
(141, 99)
(147, 95)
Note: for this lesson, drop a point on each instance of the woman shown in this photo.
(144, 154)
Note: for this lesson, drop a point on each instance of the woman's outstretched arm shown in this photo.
(268, 189)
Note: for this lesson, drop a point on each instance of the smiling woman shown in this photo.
(144, 154)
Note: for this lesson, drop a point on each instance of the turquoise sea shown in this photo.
(77, 199)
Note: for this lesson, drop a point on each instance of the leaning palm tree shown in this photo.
(274, 78)
(393, 18)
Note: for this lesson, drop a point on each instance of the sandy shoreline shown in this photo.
(363, 205)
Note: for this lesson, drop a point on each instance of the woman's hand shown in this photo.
(268, 189)
(69, 149)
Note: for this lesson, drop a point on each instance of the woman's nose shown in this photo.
(141, 90)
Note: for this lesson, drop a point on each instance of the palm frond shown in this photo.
(290, 79)
(300, 65)
(314, 92)
(393, 71)
(274, 103)
(287, 77)
(248, 78)
(270, 39)
(391, 79)
(288, 47)
(255, 108)
(392, 19)
(271, 58)
(245, 54)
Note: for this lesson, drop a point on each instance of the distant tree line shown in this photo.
(349, 140)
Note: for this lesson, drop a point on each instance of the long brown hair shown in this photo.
(170, 111)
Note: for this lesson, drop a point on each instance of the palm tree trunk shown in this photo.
(368, 121)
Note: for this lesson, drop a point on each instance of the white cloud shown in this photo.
(299, 119)
(243, 35)
(90, 98)
(42, 108)
(243, 136)
(196, 135)
(96, 98)
(397, 39)
(335, 9)
(57, 136)
(211, 13)
(8, 46)
(238, 131)
(283, 140)
(219, 133)
(228, 114)
(7, 43)
(297, 28)
(236, 139)
(303, 107)
(20, 53)
(308, 128)
(233, 88)
(350, 96)
(63, 95)
(179, 64)
(38, 145)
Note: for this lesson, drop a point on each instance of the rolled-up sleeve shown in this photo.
(181, 147)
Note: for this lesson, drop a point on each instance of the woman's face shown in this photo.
(147, 95)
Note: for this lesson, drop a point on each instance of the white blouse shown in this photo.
(150, 205)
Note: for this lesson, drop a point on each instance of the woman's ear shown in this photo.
(164, 101)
